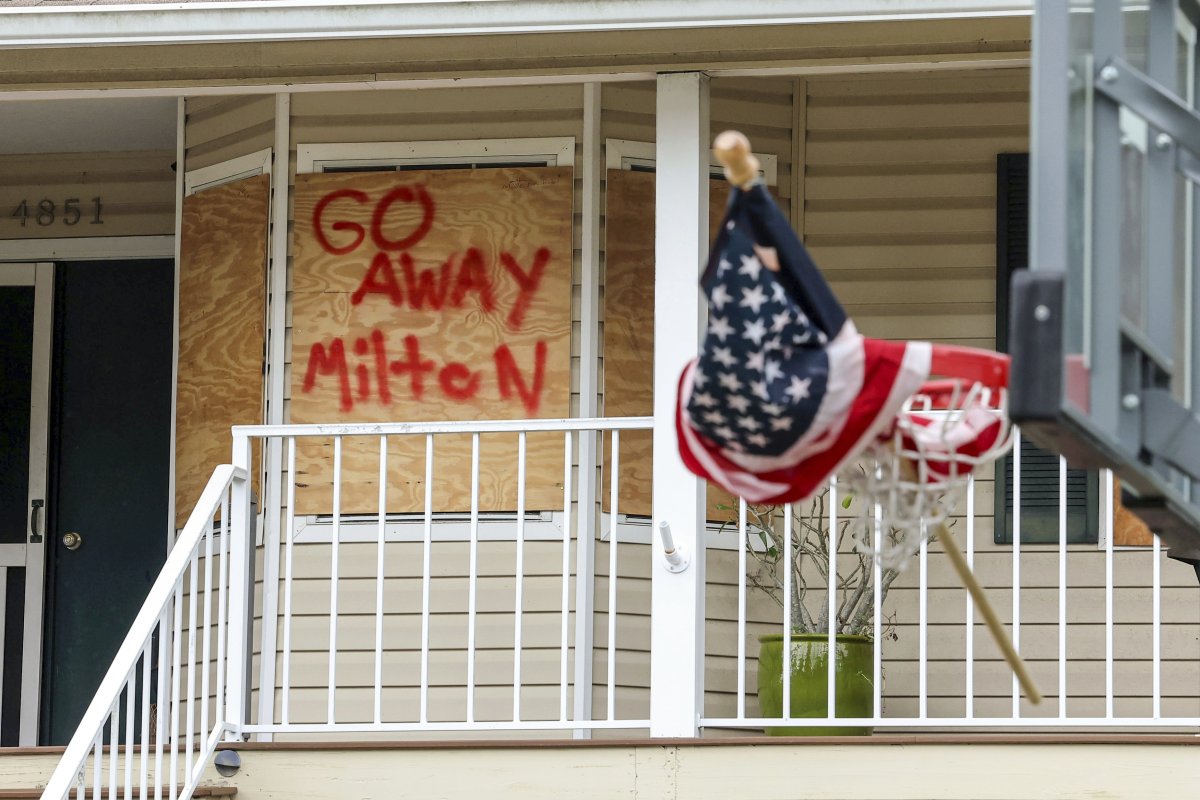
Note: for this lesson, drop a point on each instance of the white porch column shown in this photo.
(681, 244)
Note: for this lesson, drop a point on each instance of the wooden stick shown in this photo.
(732, 149)
(950, 546)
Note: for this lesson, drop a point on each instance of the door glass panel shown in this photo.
(16, 361)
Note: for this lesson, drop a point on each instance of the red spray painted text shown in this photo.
(462, 279)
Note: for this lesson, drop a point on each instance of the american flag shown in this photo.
(784, 391)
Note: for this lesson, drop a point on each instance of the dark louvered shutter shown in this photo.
(1039, 469)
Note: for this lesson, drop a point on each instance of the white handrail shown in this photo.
(462, 426)
(161, 595)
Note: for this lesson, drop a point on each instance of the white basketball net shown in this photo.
(912, 480)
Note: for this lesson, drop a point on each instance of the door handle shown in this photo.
(35, 511)
(72, 540)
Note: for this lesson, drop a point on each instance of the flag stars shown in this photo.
(721, 296)
(704, 399)
(715, 417)
(774, 343)
(699, 379)
(753, 299)
(778, 295)
(757, 439)
(750, 266)
(774, 409)
(799, 389)
(779, 321)
(720, 327)
(755, 361)
(723, 265)
(755, 331)
(759, 389)
(724, 356)
(773, 371)
(739, 403)
(729, 381)
(749, 423)
(724, 432)
(781, 424)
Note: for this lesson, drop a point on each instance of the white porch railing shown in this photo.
(1088, 619)
(495, 628)
(387, 623)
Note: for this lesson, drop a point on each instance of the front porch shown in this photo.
(905, 767)
(406, 605)
(377, 628)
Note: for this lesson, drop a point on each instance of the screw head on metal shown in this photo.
(1109, 74)
(1041, 313)
(1163, 141)
(1130, 402)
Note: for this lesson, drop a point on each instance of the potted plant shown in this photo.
(809, 614)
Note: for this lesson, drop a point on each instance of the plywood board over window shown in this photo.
(222, 300)
(430, 295)
(629, 331)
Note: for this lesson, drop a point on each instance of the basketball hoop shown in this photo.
(913, 479)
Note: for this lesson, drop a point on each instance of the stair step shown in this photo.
(34, 794)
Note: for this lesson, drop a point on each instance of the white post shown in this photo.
(272, 503)
(585, 570)
(680, 245)
(241, 593)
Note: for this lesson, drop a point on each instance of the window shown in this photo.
(1039, 469)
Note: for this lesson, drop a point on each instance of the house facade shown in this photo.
(438, 263)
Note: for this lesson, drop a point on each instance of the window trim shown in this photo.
(558, 151)
(627, 153)
(234, 169)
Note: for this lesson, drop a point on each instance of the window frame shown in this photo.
(451, 526)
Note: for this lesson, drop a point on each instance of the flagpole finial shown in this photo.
(732, 149)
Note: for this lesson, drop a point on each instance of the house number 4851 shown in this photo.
(46, 212)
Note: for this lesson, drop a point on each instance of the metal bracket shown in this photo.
(1170, 431)
(676, 556)
(1129, 86)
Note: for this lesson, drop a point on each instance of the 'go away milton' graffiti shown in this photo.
(389, 363)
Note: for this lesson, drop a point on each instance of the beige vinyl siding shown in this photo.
(221, 128)
(448, 626)
(135, 190)
(900, 194)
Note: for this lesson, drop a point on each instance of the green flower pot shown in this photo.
(853, 668)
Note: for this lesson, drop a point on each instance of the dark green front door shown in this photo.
(109, 471)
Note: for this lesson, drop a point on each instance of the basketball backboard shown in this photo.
(1105, 329)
